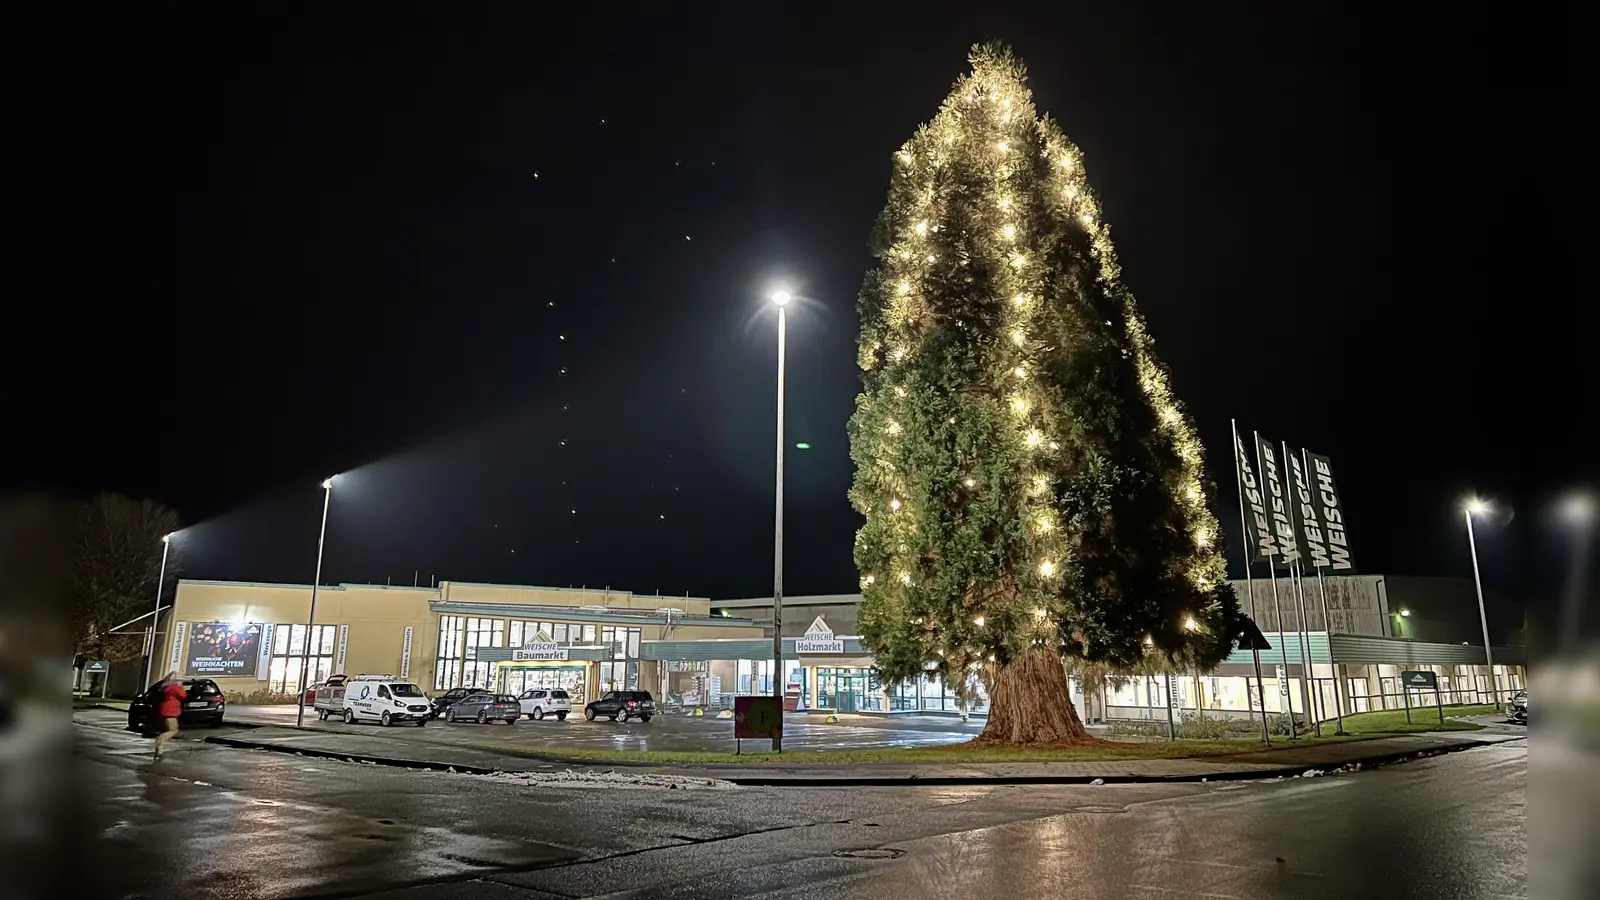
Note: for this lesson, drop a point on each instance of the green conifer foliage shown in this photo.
(1032, 489)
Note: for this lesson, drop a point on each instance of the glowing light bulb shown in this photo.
(1020, 372)
(899, 392)
(904, 156)
(1044, 525)
(870, 579)
(905, 577)
(949, 140)
(1066, 162)
(1006, 102)
(1192, 492)
(895, 504)
(1047, 568)
(930, 257)
(1087, 220)
(1019, 405)
(1149, 641)
(1004, 146)
(978, 621)
(898, 354)
(894, 427)
(1018, 261)
(922, 228)
(1009, 232)
(1038, 612)
(969, 482)
(1071, 191)
(1034, 437)
(1020, 299)
(1005, 202)
(1202, 537)
(1054, 446)
(1190, 623)
(1017, 337)
(905, 287)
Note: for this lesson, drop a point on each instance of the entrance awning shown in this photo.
(706, 651)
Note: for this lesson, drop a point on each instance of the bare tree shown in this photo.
(114, 569)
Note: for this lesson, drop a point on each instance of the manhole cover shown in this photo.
(871, 853)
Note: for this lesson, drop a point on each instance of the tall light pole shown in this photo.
(780, 299)
(311, 620)
(155, 623)
(1478, 507)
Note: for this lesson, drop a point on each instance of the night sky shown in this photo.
(504, 266)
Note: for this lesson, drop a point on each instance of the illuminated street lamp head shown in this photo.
(327, 483)
(1477, 506)
(781, 298)
(1578, 508)
(166, 539)
(1405, 613)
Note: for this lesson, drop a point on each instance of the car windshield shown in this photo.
(1521, 695)
(405, 690)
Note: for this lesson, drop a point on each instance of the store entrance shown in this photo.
(572, 679)
(842, 690)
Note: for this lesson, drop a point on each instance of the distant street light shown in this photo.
(1477, 507)
(780, 299)
(311, 621)
(155, 623)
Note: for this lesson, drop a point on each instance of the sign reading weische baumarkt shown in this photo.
(539, 651)
(819, 639)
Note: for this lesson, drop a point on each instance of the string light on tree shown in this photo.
(952, 389)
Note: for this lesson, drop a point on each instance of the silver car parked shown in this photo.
(482, 707)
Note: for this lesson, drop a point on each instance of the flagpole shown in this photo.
(1277, 610)
(1297, 580)
(1327, 620)
(1250, 586)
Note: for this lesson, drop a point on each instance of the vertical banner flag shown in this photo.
(1330, 511)
(405, 655)
(1277, 502)
(1258, 528)
(1308, 524)
(344, 641)
(1292, 474)
(177, 646)
(264, 665)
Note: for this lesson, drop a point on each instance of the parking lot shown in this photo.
(664, 732)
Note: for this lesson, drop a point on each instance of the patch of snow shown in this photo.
(571, 778)
(1311, 773)
(1098, 781)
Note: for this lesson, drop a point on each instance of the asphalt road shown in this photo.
(213, 822)
(662, 732)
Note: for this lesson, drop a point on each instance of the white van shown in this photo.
(386, 699)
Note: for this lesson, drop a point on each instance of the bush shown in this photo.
(1147, 729)
(263, 698)
(1191, 725)
(1251, 725)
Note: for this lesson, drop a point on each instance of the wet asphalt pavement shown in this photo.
(663, 732)
(214, 822)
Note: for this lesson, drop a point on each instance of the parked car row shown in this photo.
(389, 700)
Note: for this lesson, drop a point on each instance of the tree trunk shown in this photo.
(1031, 704)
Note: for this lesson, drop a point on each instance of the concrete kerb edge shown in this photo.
(345, 756)
(756, 780)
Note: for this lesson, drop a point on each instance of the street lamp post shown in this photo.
(780, 299)
(155, 623)
(1478, 507)
(311, 620)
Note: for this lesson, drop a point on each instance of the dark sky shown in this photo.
(504, 262)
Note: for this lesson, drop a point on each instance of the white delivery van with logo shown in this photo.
(384, 699)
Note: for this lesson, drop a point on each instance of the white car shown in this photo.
(540, 702)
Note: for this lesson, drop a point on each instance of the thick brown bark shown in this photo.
(1031, 704)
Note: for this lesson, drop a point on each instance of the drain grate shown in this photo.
(871, 853)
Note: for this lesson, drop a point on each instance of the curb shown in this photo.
(243, 744)
(800, 781)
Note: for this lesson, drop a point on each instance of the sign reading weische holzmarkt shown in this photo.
(819, 639)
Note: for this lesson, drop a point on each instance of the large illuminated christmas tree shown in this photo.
(1034, 494)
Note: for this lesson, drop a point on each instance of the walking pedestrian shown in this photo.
(169, 705)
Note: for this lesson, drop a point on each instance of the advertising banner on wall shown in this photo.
(264, 662)
(177, 646)
(220, 648)
(344, 643)
(1276, 496)
(1330, 511)
(405, 655)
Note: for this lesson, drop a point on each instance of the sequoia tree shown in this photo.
(1033, 491)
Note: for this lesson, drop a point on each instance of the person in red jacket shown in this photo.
(169, 705)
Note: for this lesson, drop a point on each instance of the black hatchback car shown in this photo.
(622, 705)
(450, 698)
(205, 706)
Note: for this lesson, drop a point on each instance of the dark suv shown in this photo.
(622, 705)
(450, 698)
